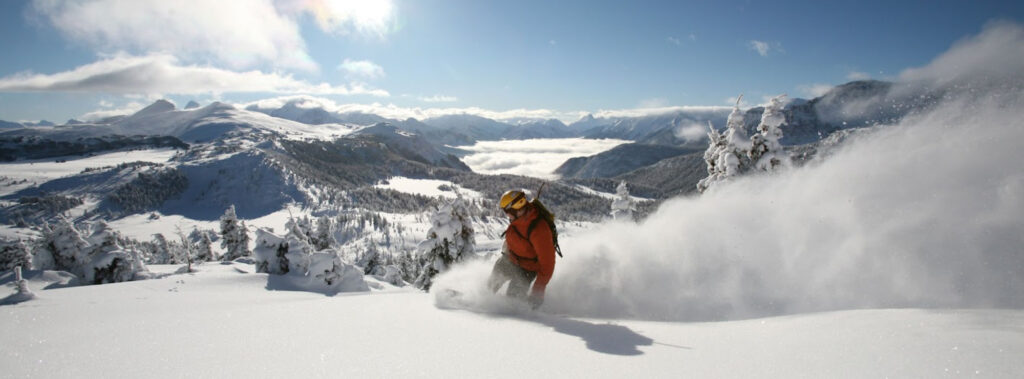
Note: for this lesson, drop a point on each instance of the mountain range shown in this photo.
(299, 154)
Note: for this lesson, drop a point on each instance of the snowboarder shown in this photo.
(528, 252)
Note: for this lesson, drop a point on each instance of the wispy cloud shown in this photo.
(361, 69)
(439, 99)
(161, 73)
(236, 33)
(764, 48)
(674, 41)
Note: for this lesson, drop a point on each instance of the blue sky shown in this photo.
(65, 59)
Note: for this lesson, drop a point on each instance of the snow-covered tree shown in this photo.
(62, 248)
(279, 255)
(766, 152)
(234, 236)
(324, 236)
(14, 253)
(327, 273)
(449, 240)
(162, 253)
(204, 247)
(103, 239)
(622, 206)
(731, 154)
(727, 154)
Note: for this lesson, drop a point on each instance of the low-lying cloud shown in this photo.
(534, 157)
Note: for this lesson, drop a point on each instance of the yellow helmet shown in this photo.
(512, 199)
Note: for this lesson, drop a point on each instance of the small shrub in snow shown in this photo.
(112, 267)
(14, 254)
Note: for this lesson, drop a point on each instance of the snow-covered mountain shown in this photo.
(618, 160)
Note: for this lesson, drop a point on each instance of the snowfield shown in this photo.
(42, 170)
(224, 321)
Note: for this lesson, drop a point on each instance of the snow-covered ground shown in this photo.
(224, 321)
(428, 187)
(40, 170)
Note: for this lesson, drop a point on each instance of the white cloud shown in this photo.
(814, 90)
(761, 47)
(361, 69)
(674, 41)
(110, 111)
(236, 33)
(765, 48)
(239, 33)
(396, 112)
(692, 132)
(439, 99)
(163, 74)
(367, 17)
(535, 157)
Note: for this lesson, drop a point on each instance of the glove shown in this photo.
(535, 299)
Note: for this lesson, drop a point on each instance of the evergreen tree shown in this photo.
(234, 236)
(449, 240)
(161, 250)
(732, 154)
(68, 247)
(766, 152)
(622, 206)
(324, 237)
(204, 249)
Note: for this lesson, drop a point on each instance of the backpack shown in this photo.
(546, 215)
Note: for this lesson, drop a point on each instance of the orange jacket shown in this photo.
(535, 252)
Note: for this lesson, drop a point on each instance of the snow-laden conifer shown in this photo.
(449, 240)
(324, 236)
(204, 248)
(727, 154)
(623, 205)
(766, 152)
(234, 236)
(14, 253)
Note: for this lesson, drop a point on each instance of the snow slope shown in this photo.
(43, 170)
(223, 321)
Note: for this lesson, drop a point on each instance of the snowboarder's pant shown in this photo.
(518, 279)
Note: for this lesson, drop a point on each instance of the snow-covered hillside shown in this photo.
(227, 321)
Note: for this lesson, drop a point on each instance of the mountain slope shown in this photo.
(618, 160)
